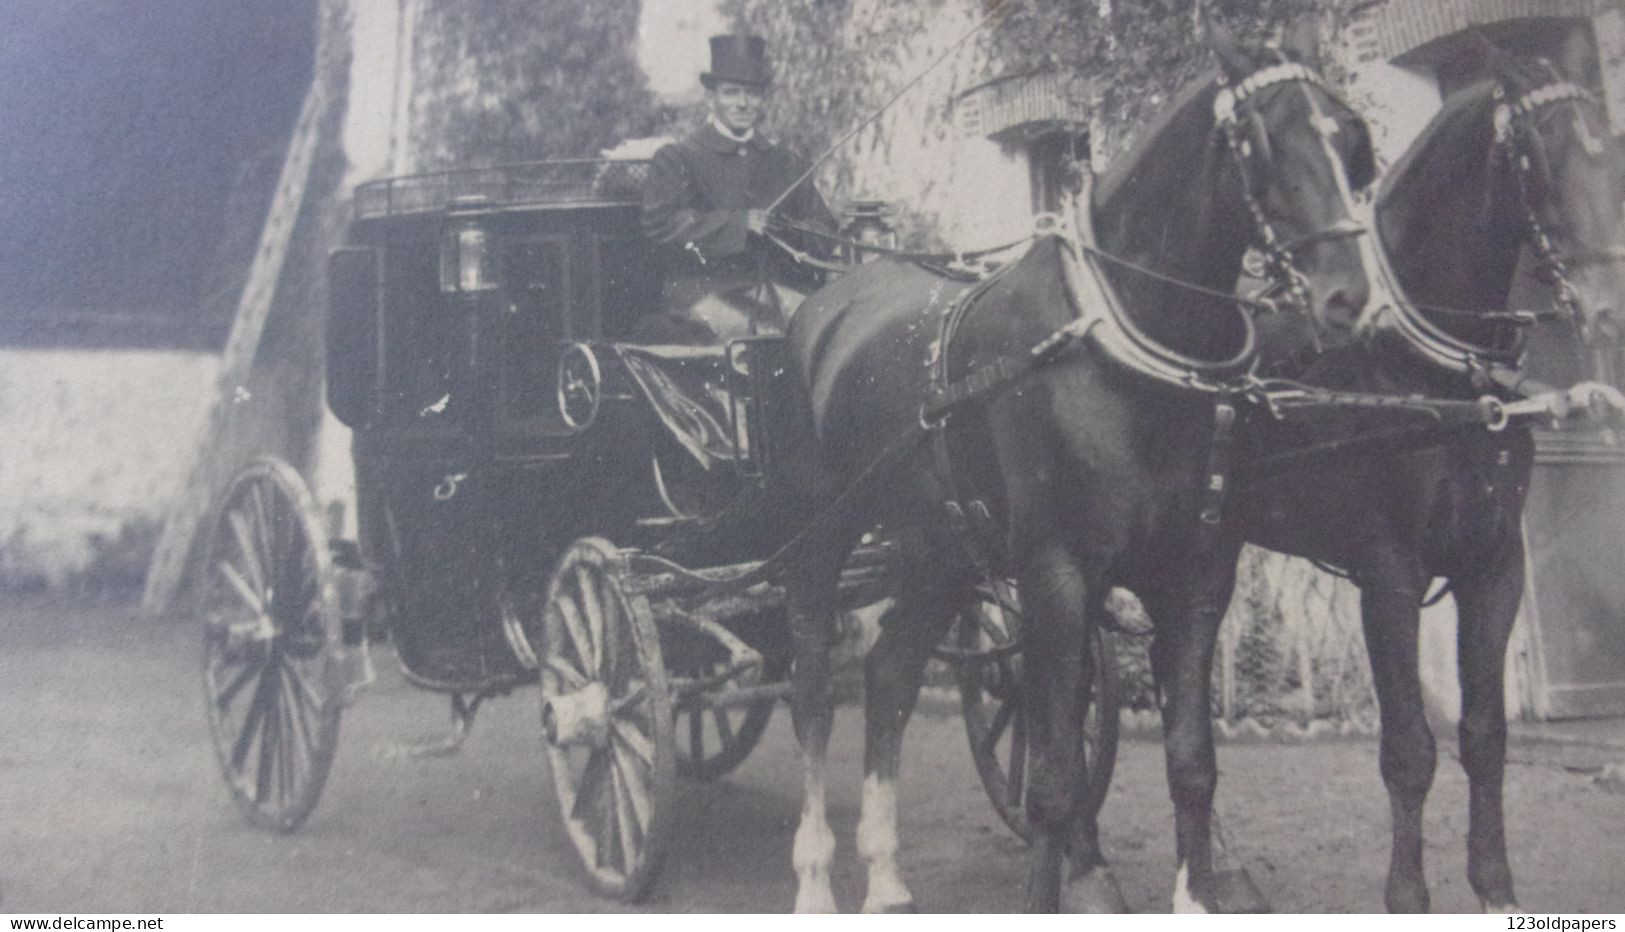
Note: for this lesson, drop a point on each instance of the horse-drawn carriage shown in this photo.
(539, 499)
(543, 498)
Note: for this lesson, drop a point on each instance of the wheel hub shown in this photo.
(578, 718)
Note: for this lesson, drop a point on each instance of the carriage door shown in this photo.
(534, 320)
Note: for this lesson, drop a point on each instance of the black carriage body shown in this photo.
(470, 480)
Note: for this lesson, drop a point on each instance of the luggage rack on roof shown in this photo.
(561, 183)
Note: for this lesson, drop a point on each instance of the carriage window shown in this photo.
(533, 321)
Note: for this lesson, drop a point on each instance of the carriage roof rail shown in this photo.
(552, 183)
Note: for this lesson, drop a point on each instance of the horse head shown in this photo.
(1300, 153)
(1553, 149)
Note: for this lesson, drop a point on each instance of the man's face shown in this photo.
(738, 106)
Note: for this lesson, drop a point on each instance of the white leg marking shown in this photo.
(1184, 902)
(814, 846)
(877, 843)
(1493, 910)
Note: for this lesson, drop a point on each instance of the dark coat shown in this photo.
(696, 197)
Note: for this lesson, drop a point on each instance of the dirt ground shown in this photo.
(110, 802)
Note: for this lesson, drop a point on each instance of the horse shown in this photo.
(1088, 462)
(1512, 163)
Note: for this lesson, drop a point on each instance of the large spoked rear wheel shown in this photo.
(713, 740)
(607, 721)
(271, 636)
(991, 699)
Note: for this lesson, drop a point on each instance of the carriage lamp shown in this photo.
(869, 227)
(469, 263)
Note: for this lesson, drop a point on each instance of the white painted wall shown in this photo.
(91, 441)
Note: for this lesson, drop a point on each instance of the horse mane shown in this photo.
(1160, 205)
(1435, 155)
(1123, 177)
(1440, 222)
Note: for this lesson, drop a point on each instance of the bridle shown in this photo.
(1279, 253)
(1519, 120)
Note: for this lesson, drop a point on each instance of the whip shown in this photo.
(994, 8)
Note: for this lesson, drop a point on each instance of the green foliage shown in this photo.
(838, 59)
(835, 63)
(510, 80)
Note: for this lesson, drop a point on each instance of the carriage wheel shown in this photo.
(606, 714)
(712, 742)
(272, 681)
(995, 721)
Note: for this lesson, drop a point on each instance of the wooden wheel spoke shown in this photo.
(288, 746)
(637, 792)
(225, 697)
(995, 731)
(997, 633)
(248, 548)
(262, 529)
(1018, 759)
(634, 740)
(725, 728)
(636, 690)
(307, 693)
(268, 745)
(625, 820)
(578, 637)
(251, 723)
(589, 785)
(696, 735)
(241, 586)
(294, 688)
(591, 607)
(568, 675)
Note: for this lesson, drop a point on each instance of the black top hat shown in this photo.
(740, 59)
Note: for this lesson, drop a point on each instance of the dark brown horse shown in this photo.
(1091, 463)
(1511, 164)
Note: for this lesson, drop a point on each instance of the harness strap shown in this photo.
(1219, 454)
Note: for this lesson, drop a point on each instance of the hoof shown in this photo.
(901, 909)
(815, 905)
(1093, 892)
(1510, 909)
(1228, 891)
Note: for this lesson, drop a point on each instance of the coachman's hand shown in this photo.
(756, 220)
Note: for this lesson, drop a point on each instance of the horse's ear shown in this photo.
(1508, 70)
(1302, 39)
(1237, 64)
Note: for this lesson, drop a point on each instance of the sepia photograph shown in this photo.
(817, 456)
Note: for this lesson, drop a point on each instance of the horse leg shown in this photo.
(1090, 886)
(1390, 609)
(1188, 618)
(893, 670)
(1054, 596)
(1486, 607)
(812, 600)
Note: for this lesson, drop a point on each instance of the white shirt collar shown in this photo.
(729, 134)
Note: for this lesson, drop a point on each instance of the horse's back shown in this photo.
(863, 345)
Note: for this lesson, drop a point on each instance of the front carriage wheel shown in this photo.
(607, 720)
(272, 681)
(989, 669)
